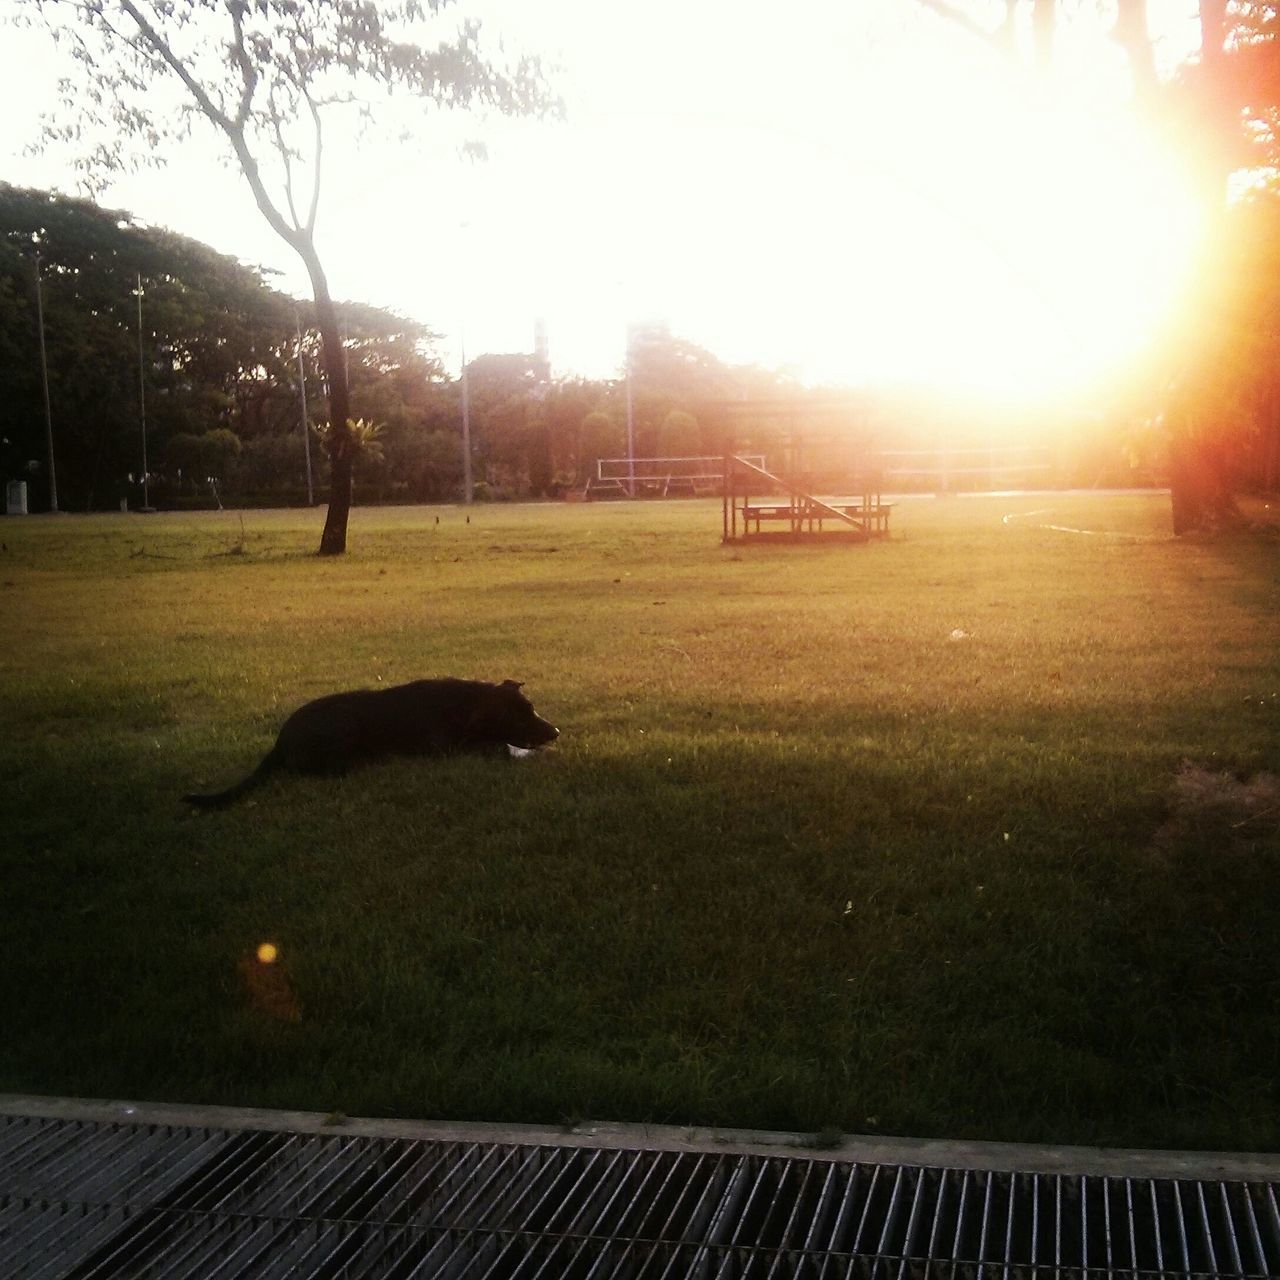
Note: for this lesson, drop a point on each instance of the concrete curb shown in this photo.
(928, 1152)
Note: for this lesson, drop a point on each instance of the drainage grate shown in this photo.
(86, 1200)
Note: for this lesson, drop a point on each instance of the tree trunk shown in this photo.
(1200, 493)
(1201, 475)
(1199, 500)
(333, 541)
(1133, 36)
(1185, 503)
(1043, 21)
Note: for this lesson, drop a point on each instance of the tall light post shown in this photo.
(142, 401)
(631, 418)
(466, 421)
(44, 382)
(306, 426)
(467, 485)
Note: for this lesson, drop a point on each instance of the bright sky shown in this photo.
(848, 190)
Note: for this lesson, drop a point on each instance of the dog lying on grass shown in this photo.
(423, 718)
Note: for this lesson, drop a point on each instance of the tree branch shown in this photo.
(1213, 36)
(233, 129)
(248, 75)
(1132, 35)
(159, 45)
(315, 176)
(1044, 15)
(286, 157)
(996, 39)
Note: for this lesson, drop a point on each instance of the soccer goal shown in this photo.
(695, 477)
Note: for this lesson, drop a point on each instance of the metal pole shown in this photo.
(142, 401)
(725, 500)
(44, 381)
(631, 424)
(306, 426)
(466, 424)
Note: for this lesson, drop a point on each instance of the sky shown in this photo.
(849, 190)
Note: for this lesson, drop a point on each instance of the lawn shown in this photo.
(935, 836)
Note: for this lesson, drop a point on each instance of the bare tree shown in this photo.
(268, 75)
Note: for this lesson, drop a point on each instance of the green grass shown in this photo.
(804, 857)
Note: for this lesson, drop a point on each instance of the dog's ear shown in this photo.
(513, 684)
(489, 706)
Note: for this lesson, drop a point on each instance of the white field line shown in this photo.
(1107, 533)
(1065, 528)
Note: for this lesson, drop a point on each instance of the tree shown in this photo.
(211, 326)
(1227, 107)
(506, 394)
(670, 377)
(267, 75)
(602, 437)
(1222, 113)
(568, 403)
(221, 350)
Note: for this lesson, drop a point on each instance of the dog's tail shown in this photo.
(270, 763)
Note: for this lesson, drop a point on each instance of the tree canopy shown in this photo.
(220, 362)
(220, 351)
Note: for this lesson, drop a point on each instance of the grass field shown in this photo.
(897, 838)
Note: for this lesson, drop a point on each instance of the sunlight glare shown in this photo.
(1021, 238)
(913, 210)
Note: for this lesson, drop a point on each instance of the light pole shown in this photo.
(464, 257)
(466, 421)
(631, 419)
(44, 382)
(142, 401)
(302, 392)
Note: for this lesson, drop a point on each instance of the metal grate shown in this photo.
(82, 1200)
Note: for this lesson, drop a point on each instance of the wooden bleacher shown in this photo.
(807, 515)
(858, 516)
(822, 481)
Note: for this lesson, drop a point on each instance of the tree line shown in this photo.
(267, 80)
(213, 356)
(219, 364)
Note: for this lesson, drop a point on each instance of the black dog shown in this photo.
(424, 718)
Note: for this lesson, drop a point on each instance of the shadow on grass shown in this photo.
(891, 929)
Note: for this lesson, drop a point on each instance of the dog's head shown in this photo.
(504, 714)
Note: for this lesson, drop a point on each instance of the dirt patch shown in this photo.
(1209, 809)
(1262, 511)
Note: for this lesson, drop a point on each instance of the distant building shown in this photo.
(532, 369)
(541, 349)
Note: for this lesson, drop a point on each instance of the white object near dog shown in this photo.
(16, 498)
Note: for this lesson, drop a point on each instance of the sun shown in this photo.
(1019, 238)
(944, 219)
(903, 206)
